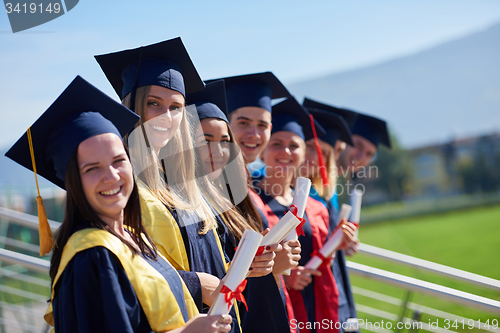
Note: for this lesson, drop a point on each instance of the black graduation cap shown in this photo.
(290, 116)
(210, 102)
(80, 112)
(335, 126)
(373, 129)
(166, 64)
(253, 90)
(348, 115)
(332, 120)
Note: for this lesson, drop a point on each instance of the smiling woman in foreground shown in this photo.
(106, 274)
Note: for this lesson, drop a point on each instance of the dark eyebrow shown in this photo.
(97, 163)
(248, 119)
(209, 135)
(155, 96)
(88, 164)
(244, 118)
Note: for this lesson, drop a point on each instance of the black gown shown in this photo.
(266, 303)
(94, 295)
(203, 254)
(306, 244)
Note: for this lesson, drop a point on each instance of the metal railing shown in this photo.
(409, 283)
(24, 283)
(33, 264)
(429, 266)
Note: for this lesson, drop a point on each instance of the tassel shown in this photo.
(44, 232)
(322, 167)
(46, 239)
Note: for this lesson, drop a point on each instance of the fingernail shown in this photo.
(268, 248)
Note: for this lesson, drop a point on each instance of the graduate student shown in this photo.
(249, 106)
(313, 293)
(153, 81)
(106, 273)
(222, 161)
(336, 123)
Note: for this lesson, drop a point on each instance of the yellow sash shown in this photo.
(164, 231)
(152, 290)
(162, 228)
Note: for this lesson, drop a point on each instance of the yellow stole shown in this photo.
(152, 290)
(164, 231)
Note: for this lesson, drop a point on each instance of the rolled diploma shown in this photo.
(300, 195)
(356, 208)
(333, 242)
(278, 233)
(302, 189)
(243, 258)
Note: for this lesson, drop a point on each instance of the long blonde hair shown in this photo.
(170, 174)
(326, 192)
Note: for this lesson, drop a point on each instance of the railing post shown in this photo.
(416, 318)
(405, 306)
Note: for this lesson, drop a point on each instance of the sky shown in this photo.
(294, 39)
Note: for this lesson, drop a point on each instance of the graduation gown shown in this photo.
(176, 234)
(101, 287)
(265, 300)
(319, 300)
(347, 307)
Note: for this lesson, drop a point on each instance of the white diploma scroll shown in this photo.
(300, 195)
(243, 258)
(278, 233)
(356, 208)
(331, 245)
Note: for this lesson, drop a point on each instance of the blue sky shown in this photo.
(295, 40)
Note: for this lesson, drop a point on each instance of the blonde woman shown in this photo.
(154, 81)
(106, 273)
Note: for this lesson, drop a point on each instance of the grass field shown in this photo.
(464, 239)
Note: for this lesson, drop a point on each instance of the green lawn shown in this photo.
(466, 239)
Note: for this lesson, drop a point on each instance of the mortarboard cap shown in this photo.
(210, 102)
(373, 129)
(290, 116)
(253, 90)
(334, 125)
(348, 115)
(166, 64)
(80, 112)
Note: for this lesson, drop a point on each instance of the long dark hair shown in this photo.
(79, 215)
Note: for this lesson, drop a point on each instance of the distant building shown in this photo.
(437, 167)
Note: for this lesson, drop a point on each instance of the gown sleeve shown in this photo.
(95, 295)
(192, 282)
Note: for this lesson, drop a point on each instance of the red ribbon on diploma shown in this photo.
(326, 261)
(237, 294)
(299, 229)
(260, 250)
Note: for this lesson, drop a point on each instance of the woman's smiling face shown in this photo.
(106, 175)
(284, 153)
(163, 114)
(212, 138)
